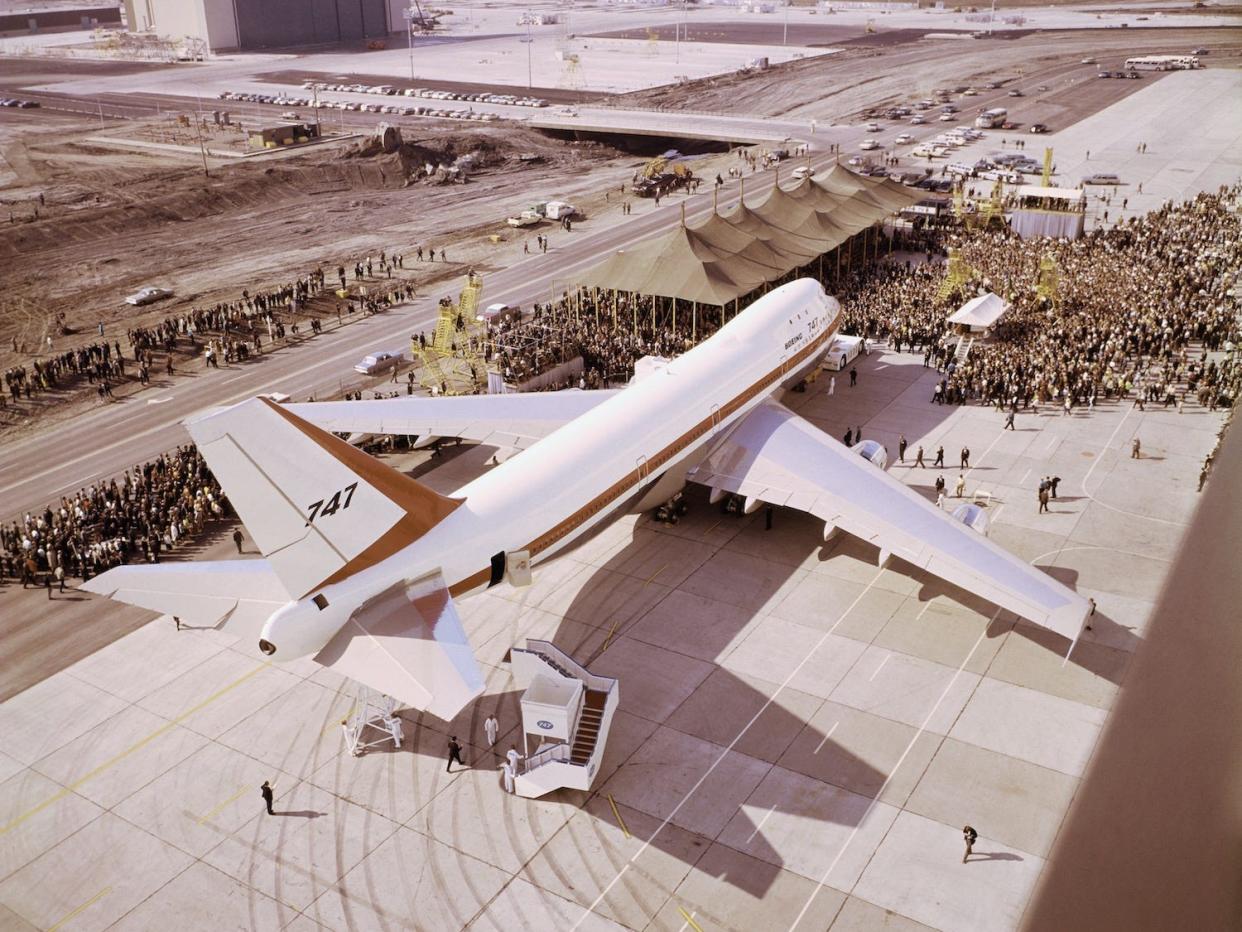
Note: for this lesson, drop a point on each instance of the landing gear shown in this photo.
(372, 713)
(673, 510)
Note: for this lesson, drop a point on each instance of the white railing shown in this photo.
(559, 752)
(550, 650)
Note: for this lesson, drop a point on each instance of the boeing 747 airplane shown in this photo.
(362, 564)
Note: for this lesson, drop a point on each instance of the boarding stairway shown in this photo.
(963, 348)
(566, 712)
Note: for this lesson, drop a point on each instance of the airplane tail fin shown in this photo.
(319, 509)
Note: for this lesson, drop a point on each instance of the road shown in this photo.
(103, 442)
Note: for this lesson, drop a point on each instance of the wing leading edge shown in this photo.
(513, 421)
(779, 458)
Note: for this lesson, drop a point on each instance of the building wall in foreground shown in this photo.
(209, 20)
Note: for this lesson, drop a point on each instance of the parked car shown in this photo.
(527, 218)
(1101, 178)
(868, 144)
(803, 171)
(1038, 128)
(495, 313)
(903, 138)
(1014, 93)
(917, 120)
(148, 296)
(378, 362)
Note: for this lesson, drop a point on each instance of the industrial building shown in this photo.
(227, 25)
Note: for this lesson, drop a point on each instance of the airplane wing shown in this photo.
(236, 596)
(776, 457)
(513, 421)
(408, 643)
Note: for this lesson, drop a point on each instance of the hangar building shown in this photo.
(258, 24)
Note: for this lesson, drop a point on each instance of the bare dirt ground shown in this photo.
(115, 220)
(896, 69)
(112, 221)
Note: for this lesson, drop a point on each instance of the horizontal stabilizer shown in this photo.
(408, 643)
(236, 596)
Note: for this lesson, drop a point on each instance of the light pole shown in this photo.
(785, 35)
(408, 15)
(528, 40)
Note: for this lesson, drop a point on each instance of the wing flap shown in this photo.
(408, 642)
(514, 421)
(778, 457)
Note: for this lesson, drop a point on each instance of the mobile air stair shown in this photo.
(566, 713)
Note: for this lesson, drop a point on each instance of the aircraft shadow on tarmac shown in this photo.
(846, 770)
(835, 765)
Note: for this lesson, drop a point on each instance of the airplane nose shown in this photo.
(267, 646)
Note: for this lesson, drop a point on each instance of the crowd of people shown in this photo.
(227, 331)
(148, 511)
(610, 331)
(1135, 312)
(1129, 304)
(97, 362)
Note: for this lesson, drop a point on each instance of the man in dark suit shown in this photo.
(454, 754)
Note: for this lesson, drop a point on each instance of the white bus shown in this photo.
(990, 119)
(1162, 63)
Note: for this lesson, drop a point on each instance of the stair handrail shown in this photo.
(591, 680)
(557, 752)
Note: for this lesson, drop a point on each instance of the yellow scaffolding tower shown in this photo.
(958, 276)
(1048, 284)
(450, 361)
(1046, 179)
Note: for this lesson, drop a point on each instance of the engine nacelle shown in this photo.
(301, 628)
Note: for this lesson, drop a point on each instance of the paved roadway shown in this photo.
(39, 469)
(104, 441)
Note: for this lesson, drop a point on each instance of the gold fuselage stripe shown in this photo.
(653, 463)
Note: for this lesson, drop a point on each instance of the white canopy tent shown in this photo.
(980, 313)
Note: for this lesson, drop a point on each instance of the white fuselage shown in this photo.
(592, 468)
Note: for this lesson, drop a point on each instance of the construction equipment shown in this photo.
(423, 21)
(451, 364)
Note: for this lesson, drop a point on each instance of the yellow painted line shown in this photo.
(215, 812)
(131, 749)
(620, 821)
(712, 528)
(655, 574)
(611, 632)
(94, 899)
(689, 919)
